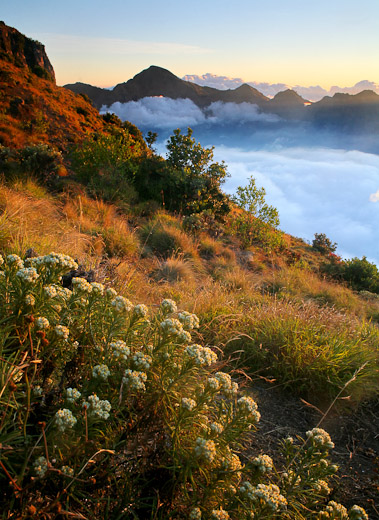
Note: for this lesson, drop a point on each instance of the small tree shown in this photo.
(323, 244)
(196, 177)
(252, 199)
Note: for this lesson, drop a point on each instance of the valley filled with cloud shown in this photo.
(321, 181)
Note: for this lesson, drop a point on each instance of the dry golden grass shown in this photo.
(305, 285)
(30, 221)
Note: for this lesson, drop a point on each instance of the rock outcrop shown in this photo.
(25, 52)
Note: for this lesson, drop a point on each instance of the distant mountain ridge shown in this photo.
(313, 93)
(348, 112)
(156, 81)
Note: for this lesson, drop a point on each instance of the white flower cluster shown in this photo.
(188, 404)
(140, 311)
(357, 513)
(142, 361)
(213, 384)
(319, 438)
(2, 261)
(168, 306)
(64, 419)
(15, 261)
(227, 387)
(121, 304)
(269, 494)
(202, 356)
(231, 462)
(322, 487)
(334, 510)
(72, 395)
(28, 274)
(42, 323)
(188, 320)
(171, 326)
(220, 514)
(30, 300)
(134, 379)
(62, 292)
(120, 350)
(248, 407)
(97, 408)
(80, 285)
(216, 428)
(205, 449)
(37, 391)
(40, 467)
(57, 261)
(50, 291)
(97, 288)
(110, 293)
(263, 463)
(62, 332)
(195, 514)
(66, 470)
(101, 372)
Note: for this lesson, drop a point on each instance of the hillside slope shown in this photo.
(32, 108)
(117, 400)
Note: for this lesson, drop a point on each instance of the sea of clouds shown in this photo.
(161, 112)
(326, 184)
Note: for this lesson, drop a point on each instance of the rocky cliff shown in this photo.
(24, 52)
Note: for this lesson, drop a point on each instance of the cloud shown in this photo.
(162, 112)
(214, 81)
(374, 197)
(315, 191)
(239, 113)
(158, 112)
(67, 43)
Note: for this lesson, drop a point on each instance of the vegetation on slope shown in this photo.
(159, 429)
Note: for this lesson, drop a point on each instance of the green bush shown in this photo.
(323, 244)
(40, 161)
(110, 411)
(107, 164)
(196, 180)
(361, 274)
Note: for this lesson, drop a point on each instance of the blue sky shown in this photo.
(334, 42)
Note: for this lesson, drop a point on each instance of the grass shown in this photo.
(292, 325)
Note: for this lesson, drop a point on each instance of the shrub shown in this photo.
(323, 244)
(107, 164)
(195, 179)
(253, 231)
(110, 410)
(164, 240)
(361, 274)
(252, 200)
(174, 270)
(40, 161)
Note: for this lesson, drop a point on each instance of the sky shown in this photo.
(297, 42)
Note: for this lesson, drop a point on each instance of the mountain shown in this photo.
(156, 81)
(347, 112)
(33, 108)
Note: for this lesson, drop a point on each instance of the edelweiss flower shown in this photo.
(101, 371)
(168, 306)
(28, 274)
(64, 419)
